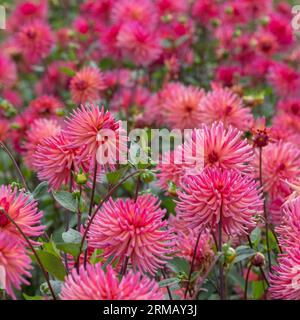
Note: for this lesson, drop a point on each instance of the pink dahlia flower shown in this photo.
(86, 85)
(14, 263)
(88, 125)
(4, 129)
(93, 283)
(136, 230)
(39, 130)
(284, 79)
(284, 280)
(45, 105)
(143, 12)
(138, 43)
(180, 106)
(35, 41)
(280, 162)
(217, 196)
(289, 228)
(55, 159)
(8, 72)
(226, 106)
(23, 210)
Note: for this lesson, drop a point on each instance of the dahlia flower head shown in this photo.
(186, 243)
(87, 128)
(23, 210)
(144, 12)
(4, 129)
(210, 146)
(39, 130)
(92, 283)
(180, 106)
(8, 71)
(35, 40)
(280, 162)
(139, 43)
(226, 106)
(284, 79)
(15, 263)
(284, 279)
(289, 229)
(56, 158)
(223, 197)
(136, 231)
(86, 85)
(45, 105)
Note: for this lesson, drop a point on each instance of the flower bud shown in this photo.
(147, 176)
(258, 260)
(81, 178)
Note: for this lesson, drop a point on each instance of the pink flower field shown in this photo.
(149, 150)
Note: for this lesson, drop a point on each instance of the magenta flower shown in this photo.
(135, 230)
(93, 284)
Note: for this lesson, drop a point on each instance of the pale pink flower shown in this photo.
(84, 125)
(23, 210)
(284, 280)
(93, 283)
(180, 106)
(280, 162)
(39, 130)
(139, 43)
(14, 263)
(220, 196)
(86, 85)
(35, 41)
(134, 230)
(226, 106)
(55, 159)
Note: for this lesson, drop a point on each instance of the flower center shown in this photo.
(228, 110)
(189, 108)
(281, 167)
(31, 34)
(213, 157)
(295, 108)
(3, 219)
(81, 85)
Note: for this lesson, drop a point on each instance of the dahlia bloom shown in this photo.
(55, 159)
(138, 43)
(284, 79)
(220, 147)
(136, 231)
(186, 243)
(86, 85)
(180, 106)
(289, 228)
(45, 105)
(217, 196)
(85, 125)
(266, 43)
(226, 106)
(284, 280)
(23, 210)
(4, 129)
(14, 263)
(40, 129)
(281, 28)
(8, 72)
(35, 41)
(108, 41)
(93, 283)
(280, 161)
(143, 12)
(205, 10)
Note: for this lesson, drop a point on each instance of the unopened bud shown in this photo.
(147, 176)
(258, 260)
(81, 178)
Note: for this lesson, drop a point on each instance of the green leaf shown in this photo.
(27, 297)
(68, 71)
(72, 236)
(179, 265)
(243, 252)
(71, 248)
(66, 200)
(56, 286)
(257, 289)
(52, 264)
(168, 282)
(255, 236)
(115, 176)
(40, 190)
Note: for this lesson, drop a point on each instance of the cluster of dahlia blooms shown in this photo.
(83, 187)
